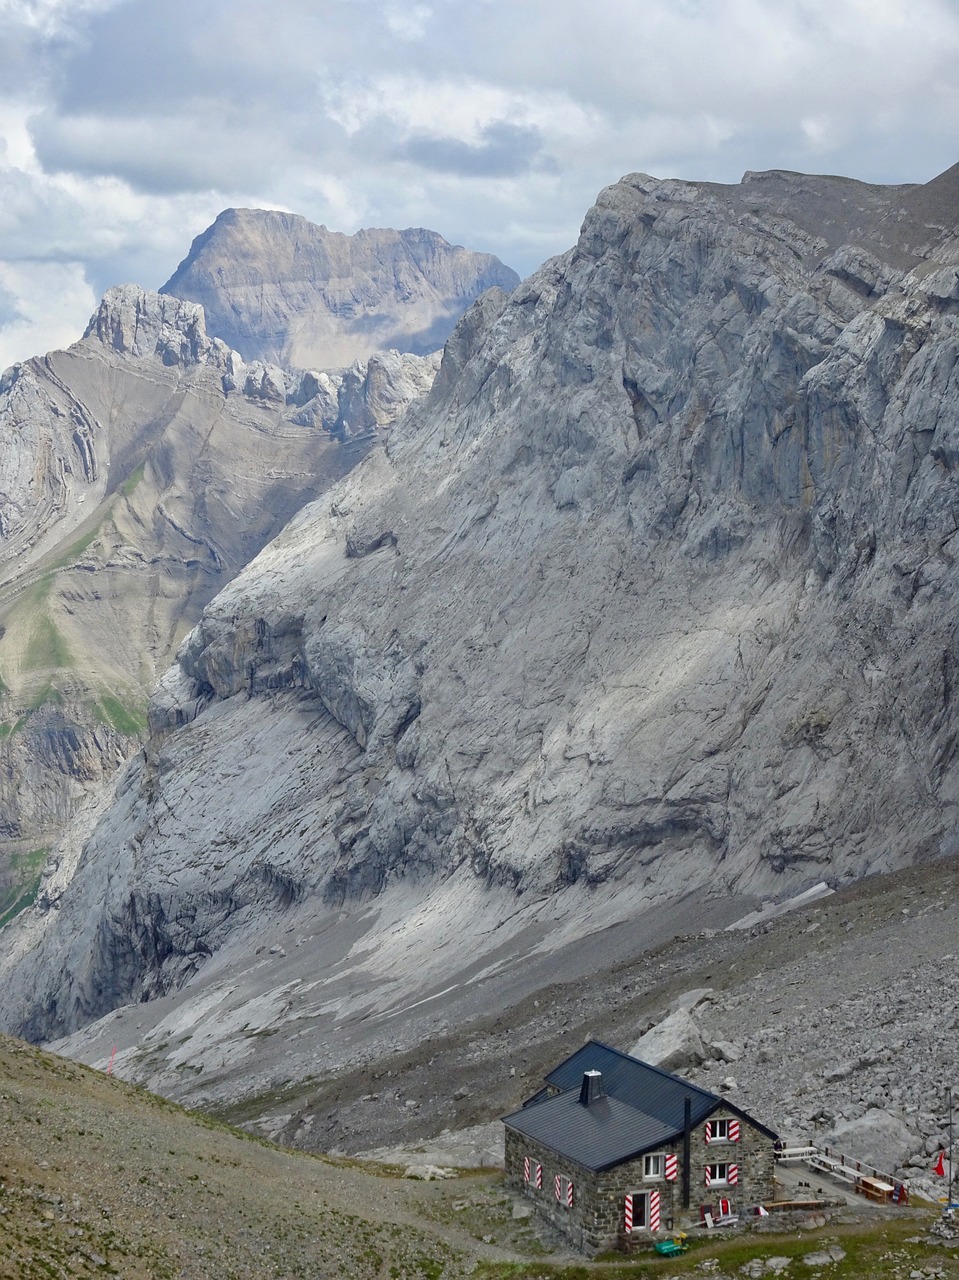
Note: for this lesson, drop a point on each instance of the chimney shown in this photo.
(591, 1089)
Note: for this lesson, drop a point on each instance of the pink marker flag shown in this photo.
(112, 1056)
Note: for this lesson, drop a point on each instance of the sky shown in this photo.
(127, 126)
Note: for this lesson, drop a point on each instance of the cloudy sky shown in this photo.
(126, 126)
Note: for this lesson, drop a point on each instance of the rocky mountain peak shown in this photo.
(279, 288)
(137, 322)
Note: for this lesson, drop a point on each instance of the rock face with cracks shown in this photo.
(140, 470)
(650, 597)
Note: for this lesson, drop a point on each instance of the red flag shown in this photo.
(939, 1168)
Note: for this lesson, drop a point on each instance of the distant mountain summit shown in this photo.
(276, 287)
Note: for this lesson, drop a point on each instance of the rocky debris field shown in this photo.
(849, 1035)
(835, 1022)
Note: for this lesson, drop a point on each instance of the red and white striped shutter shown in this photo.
(628, 1215)
(526, 1168)
(539, 1177)
(672, 1168)
(654, 1210)
(709, 1131)
(732, 1174)
(709, 1181)
(569, 1195)
(558, 1187)
(734, 1131)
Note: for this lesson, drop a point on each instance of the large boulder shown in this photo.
(673, 1044)
(880, 1138)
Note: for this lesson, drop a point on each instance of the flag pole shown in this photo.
(949, 1095)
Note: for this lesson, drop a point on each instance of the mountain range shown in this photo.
(140, 470)
(641, 616)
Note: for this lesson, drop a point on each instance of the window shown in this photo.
(722, 1175)
(722, 1130)
(653, 1166)
(532, 1173)
(563, 1190)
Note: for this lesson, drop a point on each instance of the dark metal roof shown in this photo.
(643, 1109)
(657, 1092)
(598, 1136)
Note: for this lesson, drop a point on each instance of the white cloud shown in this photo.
(408, 22)
(50, 17)
(51, 303)
(460, 108)
(16, 143)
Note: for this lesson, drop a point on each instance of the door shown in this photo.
(639, 1210)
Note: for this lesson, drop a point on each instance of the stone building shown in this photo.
(614, 1151)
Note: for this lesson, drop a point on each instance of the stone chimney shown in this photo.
(591, 1089)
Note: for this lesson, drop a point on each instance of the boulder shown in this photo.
(674, 1043)
(824, 1257)
(691, 1000)
(427, 1172)
(726, 1050)
(880, 1138)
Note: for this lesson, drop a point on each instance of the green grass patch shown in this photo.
(880, 1250)
(128, 720)
(48, 694)
(47, 650)
(26, 869)
(9, 727)
(12, 902)
(131, 482)
(29, 863)
(37, 593)
(254, 1105)
(71, 554)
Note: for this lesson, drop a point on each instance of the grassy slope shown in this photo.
(39, 654)
(25, 873)
(99, 1178)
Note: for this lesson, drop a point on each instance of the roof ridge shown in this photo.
(669, 1075)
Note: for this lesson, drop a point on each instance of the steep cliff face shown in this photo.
(139, 471)
(279, 288)
(651, 597)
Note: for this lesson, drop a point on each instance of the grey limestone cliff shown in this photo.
(649, 602)
(139, 471)
(279, 288)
